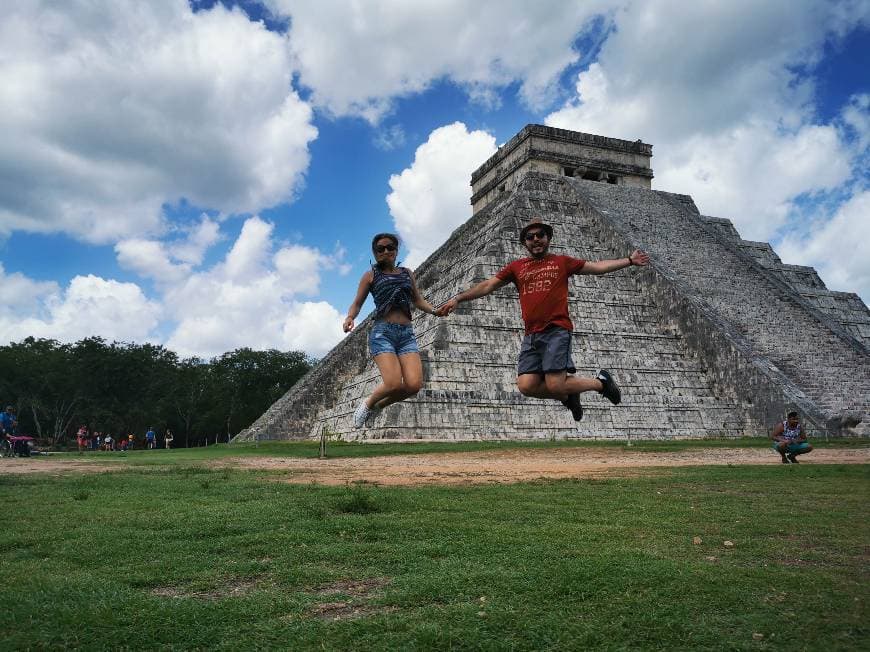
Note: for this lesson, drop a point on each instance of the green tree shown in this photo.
(247, 382)
(190, 395)
(121, 387)
(41, 377)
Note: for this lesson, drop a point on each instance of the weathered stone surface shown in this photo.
(715, 338)
(548, 150)
(844, 309)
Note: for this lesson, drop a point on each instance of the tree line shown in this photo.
(121, 387)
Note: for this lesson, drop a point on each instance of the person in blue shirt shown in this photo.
(8, 421)
(151, 438)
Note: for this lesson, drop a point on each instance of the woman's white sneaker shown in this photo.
(360, 415)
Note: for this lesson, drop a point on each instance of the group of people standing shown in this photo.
(545, 368)
(98, 441)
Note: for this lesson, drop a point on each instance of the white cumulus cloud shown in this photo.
(432, 197)
(357, 57)
(753, 173)
(111, 109)
(252, 298)
(716, 88)
(89, 306)
(168, 262)
(199, 239)
(256, 296)
(836, 248)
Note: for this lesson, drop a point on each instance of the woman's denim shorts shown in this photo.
(392, 338)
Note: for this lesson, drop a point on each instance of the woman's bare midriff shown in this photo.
(396, 316)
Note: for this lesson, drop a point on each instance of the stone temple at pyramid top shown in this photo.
(538, 148)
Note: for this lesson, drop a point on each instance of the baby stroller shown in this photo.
(16, 446)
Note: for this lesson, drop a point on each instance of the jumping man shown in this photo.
(545, 367)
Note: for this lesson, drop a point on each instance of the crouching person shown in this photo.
(790, 440)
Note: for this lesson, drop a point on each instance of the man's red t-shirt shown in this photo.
(543, 287)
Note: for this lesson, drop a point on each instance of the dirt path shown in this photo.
(513, 465)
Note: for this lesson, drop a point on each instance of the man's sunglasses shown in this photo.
(382, 248)
(533, 235)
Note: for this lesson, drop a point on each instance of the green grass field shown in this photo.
(165, 553)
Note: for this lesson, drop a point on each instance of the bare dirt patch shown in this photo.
(358, 588)
(56, 465)
(518, 465)
(360, 592)
(231, 589)
(480, 467)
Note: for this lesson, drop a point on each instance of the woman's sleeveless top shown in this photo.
(391, 291)
(790, 433)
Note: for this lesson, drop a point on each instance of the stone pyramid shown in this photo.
(716, 337)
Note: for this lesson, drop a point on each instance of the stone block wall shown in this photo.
(823, 368)
(846, 310)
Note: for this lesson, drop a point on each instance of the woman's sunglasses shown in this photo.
(382, 248)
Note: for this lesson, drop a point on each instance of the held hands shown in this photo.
(639, 258)
(447, 307)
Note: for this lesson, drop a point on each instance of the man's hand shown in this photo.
(639, 258)
(348, 325)
(447, 307)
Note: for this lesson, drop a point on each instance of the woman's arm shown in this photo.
(365, 284)
(419, 302)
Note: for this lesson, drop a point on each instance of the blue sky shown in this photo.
(209, 176)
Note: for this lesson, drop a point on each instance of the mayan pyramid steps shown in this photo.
(716, 337)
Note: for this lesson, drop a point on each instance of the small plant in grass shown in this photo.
(81, 494)
(358, 500)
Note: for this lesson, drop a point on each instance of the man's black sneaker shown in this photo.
(573, 404)
(611, 389)
(793, 459)
(786, 460)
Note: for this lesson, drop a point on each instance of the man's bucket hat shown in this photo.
(536, 223)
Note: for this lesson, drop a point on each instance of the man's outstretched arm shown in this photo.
(474, 292)
(597, 267)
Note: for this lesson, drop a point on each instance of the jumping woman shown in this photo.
(391, 342)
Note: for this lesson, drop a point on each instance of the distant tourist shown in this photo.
(545, 368)
(790, 440)
(392, 343)
(150, 438)
(167, 438)
(82, 438)
(107, 442)
(9, 422)
(131, 441)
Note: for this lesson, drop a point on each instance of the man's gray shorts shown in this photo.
(547, 351)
